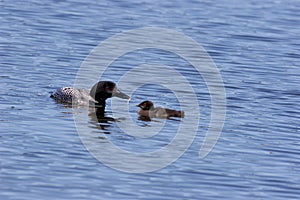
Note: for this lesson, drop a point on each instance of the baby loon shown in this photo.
(98, 94)
(148, 110)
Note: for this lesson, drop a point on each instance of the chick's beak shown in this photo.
(117, 93)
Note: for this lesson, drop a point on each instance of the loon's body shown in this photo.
(70, 95)
(98, 94)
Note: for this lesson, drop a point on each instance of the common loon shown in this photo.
(148, 110)
(98, 94)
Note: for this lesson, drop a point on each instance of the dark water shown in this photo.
(256, 47)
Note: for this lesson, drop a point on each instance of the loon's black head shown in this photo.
(106, 89)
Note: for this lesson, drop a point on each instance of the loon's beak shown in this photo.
(117, 93)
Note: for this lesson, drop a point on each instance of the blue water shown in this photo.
(256, 47)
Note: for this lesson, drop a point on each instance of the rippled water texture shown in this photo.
(255, 45)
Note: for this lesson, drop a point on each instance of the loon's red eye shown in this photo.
(108, 89)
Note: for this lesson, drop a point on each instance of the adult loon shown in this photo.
(148, 110)
(97, 95)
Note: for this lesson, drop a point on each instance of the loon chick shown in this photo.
(148, 110)
(98, 94)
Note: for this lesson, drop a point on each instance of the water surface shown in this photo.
(256, 48)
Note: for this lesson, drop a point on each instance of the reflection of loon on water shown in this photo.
(95, 98)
